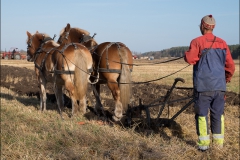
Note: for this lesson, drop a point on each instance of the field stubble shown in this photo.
(27, 133)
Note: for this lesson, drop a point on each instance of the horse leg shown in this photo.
(83, 105)
(96, 92)
(59, 97)
(71, 90)
(118, 105)
(43, 96)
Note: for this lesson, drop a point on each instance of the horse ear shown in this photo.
(68, 27)
(29, 34)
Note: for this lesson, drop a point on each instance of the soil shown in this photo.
(23, 81)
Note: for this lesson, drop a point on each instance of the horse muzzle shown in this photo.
(29, 58)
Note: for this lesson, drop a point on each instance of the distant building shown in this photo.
(144, 57)
(134, 57)
(151, 58)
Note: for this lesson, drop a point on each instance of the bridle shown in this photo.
(30, 42)
(29, 45)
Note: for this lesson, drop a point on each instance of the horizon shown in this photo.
(134, 53)
(143, 26)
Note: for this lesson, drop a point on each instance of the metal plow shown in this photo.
(142, 110)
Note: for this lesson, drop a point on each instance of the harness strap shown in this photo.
(62, 52)
(38, 67)
(208, 48)
(85, 38)
(68, 72)
(109, 70)
(118, 46)
(107, 60)
(44, 59)
(44, 41)
(62, 72)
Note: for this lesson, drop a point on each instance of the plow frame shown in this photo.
(160, 122)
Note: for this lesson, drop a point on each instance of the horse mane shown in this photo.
(45, 35)
(80, 31)
(77, 30)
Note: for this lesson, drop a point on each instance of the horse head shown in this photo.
(64, 35)
(76, 35)
(34, 42)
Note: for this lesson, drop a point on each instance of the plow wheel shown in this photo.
(6, 57)
(17, 57)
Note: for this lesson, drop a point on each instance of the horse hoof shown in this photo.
(116, 119)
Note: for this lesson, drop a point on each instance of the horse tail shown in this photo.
(125, 78)
(81, 76)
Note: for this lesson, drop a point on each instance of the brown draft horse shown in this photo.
(112, 63)
(66, 66)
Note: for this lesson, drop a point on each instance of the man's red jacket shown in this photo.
(197, 45)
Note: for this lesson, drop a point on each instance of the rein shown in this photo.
(143, 64)
(92, 49)
(86, 38)
(63, 71)
(44, 59)
(97, 77)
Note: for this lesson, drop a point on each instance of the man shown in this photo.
(13, 52)
(213, 67)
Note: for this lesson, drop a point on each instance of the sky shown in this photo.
(142, 25)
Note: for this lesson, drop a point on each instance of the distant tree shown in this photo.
(179, 52)
(236, 52)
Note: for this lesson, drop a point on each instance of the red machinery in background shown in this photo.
(13, 53)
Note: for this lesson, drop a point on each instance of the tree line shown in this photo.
(174, 52)
(179, 52)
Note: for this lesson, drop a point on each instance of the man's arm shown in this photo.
(229, 66)
(192, 55)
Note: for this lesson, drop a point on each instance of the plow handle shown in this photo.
(168, 95)
(179, 79)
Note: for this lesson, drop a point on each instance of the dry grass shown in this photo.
(151, 72)
(27, 133)
(18, 63)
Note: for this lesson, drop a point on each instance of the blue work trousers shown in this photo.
(213, 101)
